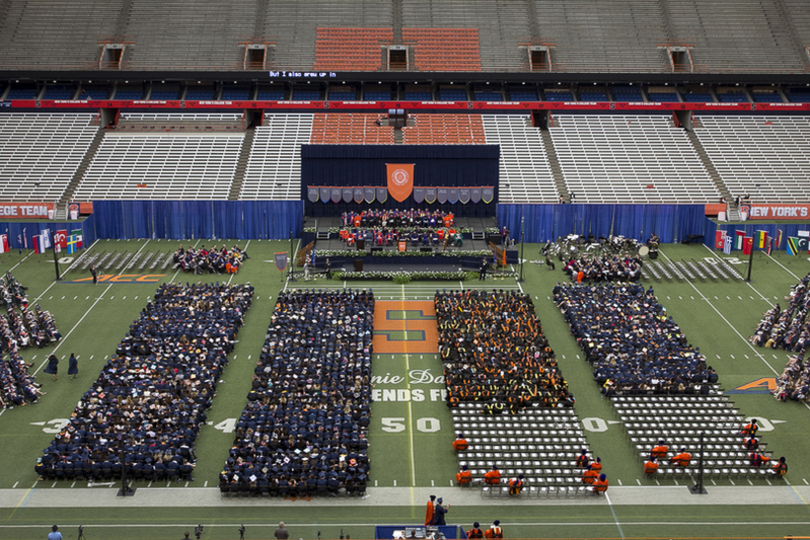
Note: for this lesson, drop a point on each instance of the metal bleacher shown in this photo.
(629, 159)
(185, 34)
(274, 165)
(350, 128)
(525, 173)
(39, 153)
(764, 156)
(163, 166)
(444, 129)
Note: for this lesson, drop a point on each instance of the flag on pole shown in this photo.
(60, 238)
(769, 246)
(760, 239)
(792, 246)
(778, 239)
(3, 243)
(45, 238)
(719, 239)
(25, 239)
(39, 244)
(738, 240)
(281, 260)
(727, 245)
(748, 245)
(74, 243)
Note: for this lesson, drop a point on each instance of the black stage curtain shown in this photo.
(434, 166)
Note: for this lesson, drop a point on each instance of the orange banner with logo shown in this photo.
(400, 180)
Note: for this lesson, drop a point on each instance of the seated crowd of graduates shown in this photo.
(794, 382)
(604, 268)
(787, 329)
(21, 327)
(148, 403)
(213, 261)
(631, 343)
(398, 219)
(493, 351)
(304, 428)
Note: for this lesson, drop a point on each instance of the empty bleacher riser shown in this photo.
(61, 205)
(707, 163)
(554, 164)
(241, 165)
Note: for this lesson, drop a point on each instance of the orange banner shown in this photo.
(25, 210)
(400, 180)
(776, 211)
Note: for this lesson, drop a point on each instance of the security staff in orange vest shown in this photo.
(651, 467)
(464, 477)
(460, 444)
(494, 531)
(750, 429)
(660, 451)
(516, 485)
(475, 532)
(590, 475)
(493, 477)
(600, 486)
(681, 460)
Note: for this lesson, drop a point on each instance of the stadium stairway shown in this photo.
(554, 164)
(707, 163)
(61, 204)
(241, 164)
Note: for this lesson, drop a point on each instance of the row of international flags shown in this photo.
(60, 240)
(761, 240)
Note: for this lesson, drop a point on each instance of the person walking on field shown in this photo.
(53, 366)
(73, 366)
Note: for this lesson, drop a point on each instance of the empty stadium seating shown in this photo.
(523, 93)
(274, 165)
(199, 93)
(627, 93)
(235, 92)
(765, 156)
(58, 91)
(39, 153)
(351, 49)
(165, 166)
(629, 159)
(525, 175)
(352, 128)
(444, 49)
(270, 94)
(444, 129)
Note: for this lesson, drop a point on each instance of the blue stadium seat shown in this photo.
(593, 95)
(306, 95)
(521, 94)
(273, 95)
(235, 92)
(94, 91)
(767, 97)
(128, 94)
(417, 96)
(488, 96)
(378, 96)
(456, 94)
(697, 97)
(164, 94)
(627, 93)
(732, 97)
(563, 95)
(22, 91)
(58, 91)
(799, 96)
(200, 94)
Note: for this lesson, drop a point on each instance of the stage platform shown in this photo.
(477, 234)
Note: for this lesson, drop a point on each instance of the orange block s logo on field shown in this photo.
(400, 180)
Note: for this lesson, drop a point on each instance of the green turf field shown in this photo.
(411, 430)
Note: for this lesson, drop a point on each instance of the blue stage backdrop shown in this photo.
(542, 222)
(331, 165)
(272, 220)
